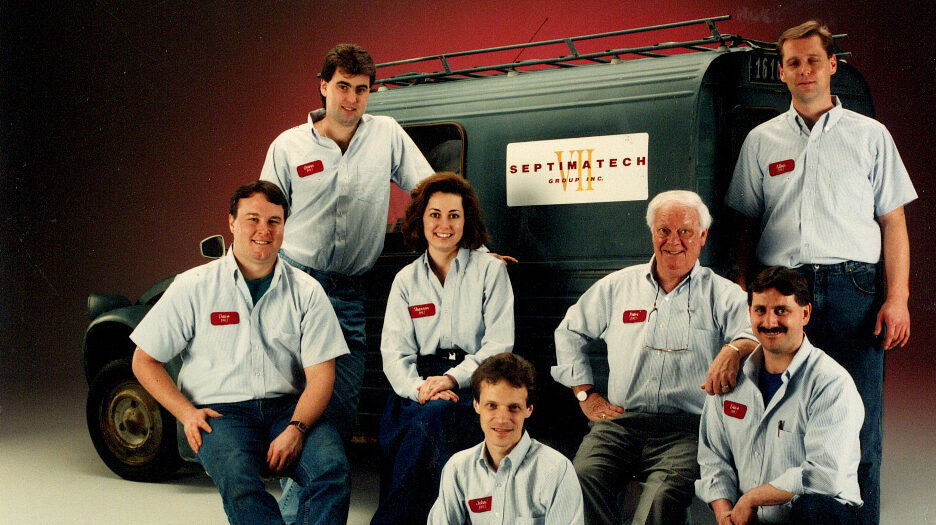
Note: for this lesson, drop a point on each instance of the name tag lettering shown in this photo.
(422, 310)
(635, 316)
(480, 504)
(735, 410)
(778, 168)
(223, 318)
(310, 168)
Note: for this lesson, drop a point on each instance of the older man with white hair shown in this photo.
(674, 330)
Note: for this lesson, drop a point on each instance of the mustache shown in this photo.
(777, 330)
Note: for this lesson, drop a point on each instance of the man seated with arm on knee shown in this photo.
(669, 325)
(509, 477)
(783, 446)
(258, 341)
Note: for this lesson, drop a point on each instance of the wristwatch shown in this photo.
(300, 425)
(583, 394)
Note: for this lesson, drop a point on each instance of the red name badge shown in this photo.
(309, 169)
(781, 167)
(480, 504)
(421, 310)
(635, 316)
(736, 410)
(223, 318)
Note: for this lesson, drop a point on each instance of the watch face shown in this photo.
(582, 396)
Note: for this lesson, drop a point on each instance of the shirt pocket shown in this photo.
(848, 183)
(284, 337)
(371, 184)
(789, 447)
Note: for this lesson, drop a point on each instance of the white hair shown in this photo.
(686, 198)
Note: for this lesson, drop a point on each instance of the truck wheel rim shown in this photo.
(131, 423)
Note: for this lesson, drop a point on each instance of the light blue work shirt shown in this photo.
(817, 193)
(639, 322)
(534, 484)
(473, 311)
(235, 350)
(805, 441)
(338, 202)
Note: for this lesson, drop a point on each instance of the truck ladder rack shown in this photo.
(574, 58)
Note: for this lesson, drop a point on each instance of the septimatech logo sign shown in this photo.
(607, 168)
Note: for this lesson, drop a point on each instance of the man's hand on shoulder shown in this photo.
(722, 374)
(894, 317)
(284, 450)
(193, 422)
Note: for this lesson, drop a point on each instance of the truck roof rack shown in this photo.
(574, 58)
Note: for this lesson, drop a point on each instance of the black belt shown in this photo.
(440, 362)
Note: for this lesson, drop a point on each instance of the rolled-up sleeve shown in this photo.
(398, 346)
(718, 480)
(584, 321)
(834, 417)
(731, 311)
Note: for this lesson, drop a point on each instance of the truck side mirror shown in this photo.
(213, 247)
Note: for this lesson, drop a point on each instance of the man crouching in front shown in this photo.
(509, 477)
(258, 340)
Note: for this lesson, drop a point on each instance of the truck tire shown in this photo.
(132, 433)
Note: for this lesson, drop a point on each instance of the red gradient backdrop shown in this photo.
(129, 124)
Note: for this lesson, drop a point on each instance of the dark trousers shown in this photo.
(821, 510)
(846, 299)
(415, 443)
(657, 450)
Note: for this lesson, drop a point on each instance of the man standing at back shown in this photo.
(335, 171)
(826, 187)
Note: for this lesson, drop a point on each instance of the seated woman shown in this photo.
(447, 311)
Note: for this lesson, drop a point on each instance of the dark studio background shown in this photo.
(126, 125)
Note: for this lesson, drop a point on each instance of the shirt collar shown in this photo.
(514, 458)
(648, 274)
(755, 361)
(826, 121)
(318, 114)
(460, 261)
(231, 268)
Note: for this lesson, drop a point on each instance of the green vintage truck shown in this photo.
(563, 151)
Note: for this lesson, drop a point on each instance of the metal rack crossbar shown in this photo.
(447, 73)
(574, 58)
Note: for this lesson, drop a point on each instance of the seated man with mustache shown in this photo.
(783, 446)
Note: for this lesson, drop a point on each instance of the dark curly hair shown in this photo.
(474, 234)
(508, 367)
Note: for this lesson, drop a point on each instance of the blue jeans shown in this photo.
(347, 298)
(234, 455)
(846, 299)
(416, 441)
